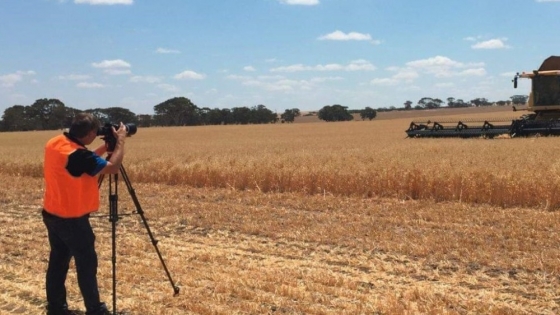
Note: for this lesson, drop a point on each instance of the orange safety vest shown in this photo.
(67, 196)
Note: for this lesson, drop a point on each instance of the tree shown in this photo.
(99, 113)
(519, 99)
(145, 120)
(480, 102)
(461, 103)
(368, 113)
(241, 115)
(290, 115)
(13, 118)
(335, 113)
(178, 111)
(48, 113)
(227, 116)
(119, 114)
(501, 103)
(212, 116)
(450, 102)
(430, 103)
(262, 115)
(114, 115)
(408, 105)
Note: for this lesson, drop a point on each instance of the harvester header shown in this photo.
(543, 106)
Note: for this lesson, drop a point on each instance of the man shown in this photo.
(71, 194)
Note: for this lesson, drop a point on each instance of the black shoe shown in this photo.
(107, 312)
(63, 312)
(101, 311)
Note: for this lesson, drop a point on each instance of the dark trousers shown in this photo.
(71, 238)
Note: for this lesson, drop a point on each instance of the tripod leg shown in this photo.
(150, 234)
(114, 217)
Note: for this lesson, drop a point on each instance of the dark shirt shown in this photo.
(83, 160)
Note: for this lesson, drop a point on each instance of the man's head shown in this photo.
(84, 127)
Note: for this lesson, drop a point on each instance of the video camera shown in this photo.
(107, 130)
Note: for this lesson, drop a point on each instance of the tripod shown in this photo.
(114, 217)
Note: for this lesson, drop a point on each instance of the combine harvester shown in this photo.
(544, 103)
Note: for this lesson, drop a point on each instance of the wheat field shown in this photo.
(307, 218)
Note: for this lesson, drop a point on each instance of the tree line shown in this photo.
(52, 114)
(432, 103)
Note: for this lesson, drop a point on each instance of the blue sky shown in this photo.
(280, 53)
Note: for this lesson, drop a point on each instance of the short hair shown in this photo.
(82, 124)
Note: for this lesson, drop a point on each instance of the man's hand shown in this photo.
(114, 162)
(120, 133)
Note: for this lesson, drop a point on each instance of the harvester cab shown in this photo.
(544, 100)
(543, 105)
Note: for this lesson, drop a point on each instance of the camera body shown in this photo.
(107, 130)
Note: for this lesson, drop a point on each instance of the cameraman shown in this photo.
(71, 194)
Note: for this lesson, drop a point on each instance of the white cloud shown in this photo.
(271, 77)
(104, 2)
(441, 66)
(300, 2)
(292, 68)
(339, 35)
(188, 74)
(145, 79)
(249, 69)
(89, 85)
(168, 87)
(113, 67)
(282, 85)
(437, 61)
(9, 80)
(238, 77)
(167, 51)
(444, 85)
(356, 65)
(329, 67)
(117, 71)
(474, 71)
(326, 79)
(406, 74)
(74, 77)
(384, 82)
(105, 64)
(278, 83)
(548, 0)
(491, 44)
(360, 65)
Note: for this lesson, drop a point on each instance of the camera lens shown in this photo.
(130, 129)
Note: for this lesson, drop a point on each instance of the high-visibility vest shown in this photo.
(67, 196)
